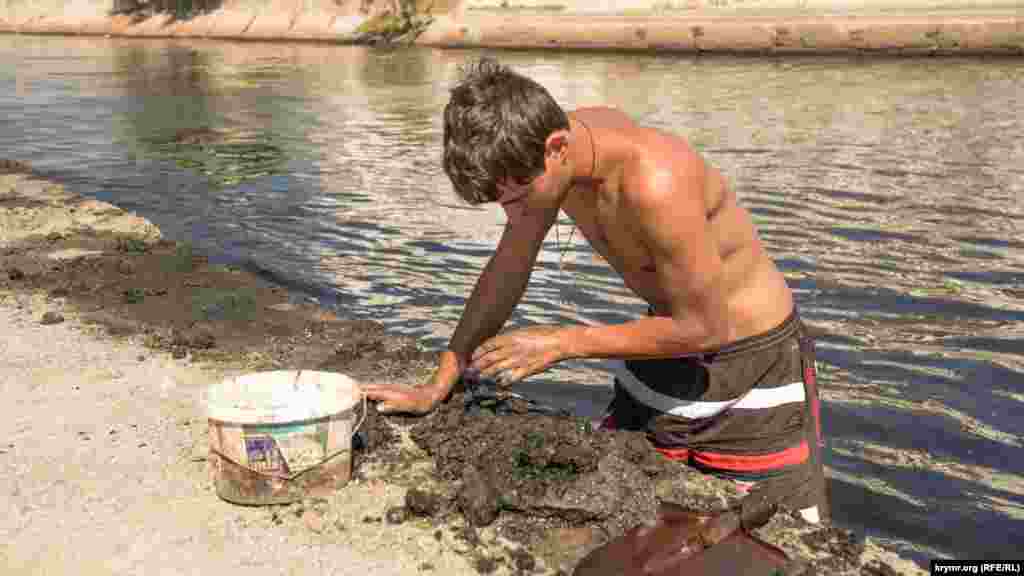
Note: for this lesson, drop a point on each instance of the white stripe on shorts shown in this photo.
(755, 399)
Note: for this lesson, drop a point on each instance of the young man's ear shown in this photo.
(558, 144)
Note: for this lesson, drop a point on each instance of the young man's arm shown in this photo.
(670, 213)
(498, 290)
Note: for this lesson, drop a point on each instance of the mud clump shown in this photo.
(422, 503)
(551, 482)
(478, 499)
(561, 490)
(181, 303)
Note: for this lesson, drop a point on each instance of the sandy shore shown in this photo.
(104, 450)
(104, 472)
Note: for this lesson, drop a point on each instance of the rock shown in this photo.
(522, 560)
(396, 515)
(179, 353)
(469, 535)
(422, 503)
(15, 273)
(51, 318)
(478, 499)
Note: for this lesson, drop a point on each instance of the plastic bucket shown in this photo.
(277, 437)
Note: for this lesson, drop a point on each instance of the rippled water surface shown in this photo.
(891, 193)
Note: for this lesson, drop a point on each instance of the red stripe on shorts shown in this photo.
(741, 462)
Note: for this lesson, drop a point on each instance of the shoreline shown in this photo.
(131, 471)
(110, 439)
(993, 32)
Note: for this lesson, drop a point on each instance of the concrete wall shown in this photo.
(756, 26)
(250, 19)
(737, 7)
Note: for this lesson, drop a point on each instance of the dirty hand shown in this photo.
(516, 354)
(393, 398)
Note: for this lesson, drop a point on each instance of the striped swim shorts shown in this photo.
(749, 411)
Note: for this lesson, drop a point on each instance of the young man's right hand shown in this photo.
(497, 291)
(395, 398)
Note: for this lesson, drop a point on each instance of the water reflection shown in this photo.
(889, 191)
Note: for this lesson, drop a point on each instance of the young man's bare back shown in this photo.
(720, 374)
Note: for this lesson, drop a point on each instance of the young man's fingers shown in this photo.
(486, 363)
(384, 394)
(505, 367)
(388, 401)
(489, 346)
(483, 350)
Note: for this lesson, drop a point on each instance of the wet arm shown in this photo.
(497, 291)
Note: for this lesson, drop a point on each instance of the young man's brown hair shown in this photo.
(495, 126)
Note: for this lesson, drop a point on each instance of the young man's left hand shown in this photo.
(516, 354)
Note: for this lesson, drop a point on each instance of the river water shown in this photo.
(891, 193)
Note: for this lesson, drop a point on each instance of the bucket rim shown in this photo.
(281, 397)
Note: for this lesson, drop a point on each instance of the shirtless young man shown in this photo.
(720, 374)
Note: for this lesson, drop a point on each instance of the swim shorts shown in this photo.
(749, 411)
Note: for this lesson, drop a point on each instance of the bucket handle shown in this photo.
(362, 418)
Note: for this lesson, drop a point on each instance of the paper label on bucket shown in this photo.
(286, 449)
(263, 454)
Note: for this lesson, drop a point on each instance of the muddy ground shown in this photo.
(516, 492)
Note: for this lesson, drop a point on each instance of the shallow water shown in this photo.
(890, 191)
